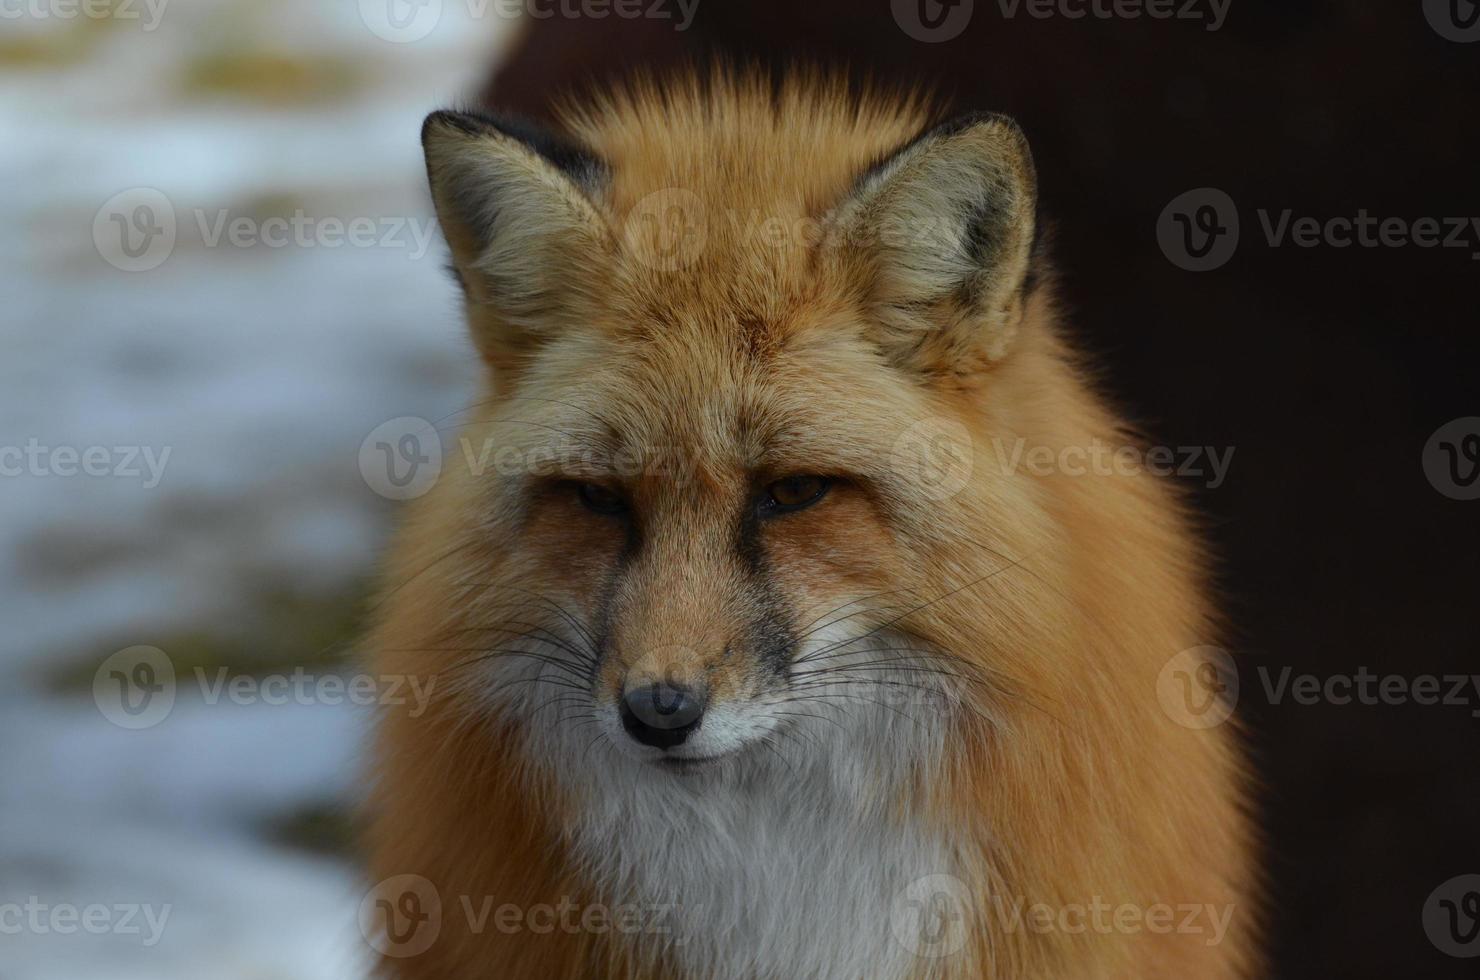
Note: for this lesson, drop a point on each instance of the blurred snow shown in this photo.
(260, 371)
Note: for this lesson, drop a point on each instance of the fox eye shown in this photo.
(794, 493)
(601, 500)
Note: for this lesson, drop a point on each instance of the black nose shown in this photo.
(661, 715)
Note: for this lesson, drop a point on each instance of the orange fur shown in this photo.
(760, 356)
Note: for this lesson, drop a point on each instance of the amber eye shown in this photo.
(794, 493)
(600, 499)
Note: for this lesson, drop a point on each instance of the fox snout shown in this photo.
(673, 703)
(659, 714)
(661, 698)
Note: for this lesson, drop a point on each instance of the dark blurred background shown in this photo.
(1326, 369)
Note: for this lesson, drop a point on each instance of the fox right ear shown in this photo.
(945, 228)
(514, 204)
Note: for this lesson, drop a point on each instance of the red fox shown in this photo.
(755, 655)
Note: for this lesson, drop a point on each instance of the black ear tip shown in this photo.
(446, 119)
(970, 120)
(558, 149)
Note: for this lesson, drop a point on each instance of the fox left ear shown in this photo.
(943, 232)
(516, 206)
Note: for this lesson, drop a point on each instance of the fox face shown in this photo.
(734, 601)
(736, 446)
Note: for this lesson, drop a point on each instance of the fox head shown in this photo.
(733, 590)
(737, 363)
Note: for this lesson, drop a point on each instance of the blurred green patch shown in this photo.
(275, 205)
(61, 43)
(314, 632)
(39, 50)
(318, 828)
(272, 78)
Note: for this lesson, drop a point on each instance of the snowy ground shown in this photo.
(259, 370)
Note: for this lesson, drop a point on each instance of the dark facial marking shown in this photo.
(769, 634)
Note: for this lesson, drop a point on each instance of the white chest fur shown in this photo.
(792, 862)
(774, 875)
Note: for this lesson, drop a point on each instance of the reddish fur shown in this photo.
(1085, 585)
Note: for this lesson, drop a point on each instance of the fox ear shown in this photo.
(944, 231)
(514, 204)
